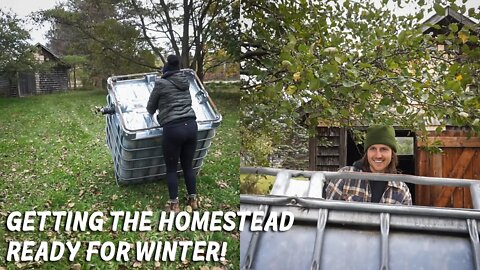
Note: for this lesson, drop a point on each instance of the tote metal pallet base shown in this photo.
(331, 234)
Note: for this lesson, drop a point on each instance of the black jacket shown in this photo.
(171, 97)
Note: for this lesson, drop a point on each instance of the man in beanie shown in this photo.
(380, 157)
(171, 97)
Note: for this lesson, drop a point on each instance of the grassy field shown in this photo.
(53, 156)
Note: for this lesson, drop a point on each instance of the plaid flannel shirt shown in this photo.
(359, 190)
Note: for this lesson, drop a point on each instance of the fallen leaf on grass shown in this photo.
(47, 204)
(114, 197)
(137, 264)
(70, 205)
(157, 265)
(103, 173)
(222, 184)
(76, 266)
(185, 264)
(217, 153)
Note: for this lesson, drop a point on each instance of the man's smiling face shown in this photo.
(379, 157)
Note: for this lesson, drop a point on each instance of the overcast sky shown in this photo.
(24, 7)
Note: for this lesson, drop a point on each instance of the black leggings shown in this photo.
(180, 141)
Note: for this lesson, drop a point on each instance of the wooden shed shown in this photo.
(334, 147)
(53, 79)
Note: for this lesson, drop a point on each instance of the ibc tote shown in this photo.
(135, 138)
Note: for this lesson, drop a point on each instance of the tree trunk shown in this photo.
(187, 9)
(74, 77)
(201, 56)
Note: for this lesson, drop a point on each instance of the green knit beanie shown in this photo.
(380, 135)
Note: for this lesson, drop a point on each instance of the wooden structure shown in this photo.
(450, 16)
(53, 79)
(335, 147)
(460, 158)
(327, 151)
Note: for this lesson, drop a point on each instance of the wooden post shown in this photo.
(312, 157)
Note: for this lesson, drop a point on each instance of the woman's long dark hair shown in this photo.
(391, 168)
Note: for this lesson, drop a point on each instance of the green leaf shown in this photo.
(392, 64)
(439, 9)
(441, 38)
(332, 68)
(360, 108)
(365, 65)
(328, 93)
(314, 84)
(386, 101)
(453, 27)
(303, 48)
(471, 12)
(349, 84)
(292, 40)
(401, 37)
(454, 85)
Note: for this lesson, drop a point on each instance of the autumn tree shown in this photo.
(94, 31)
(16, 52)
(353, 63)
(124, 28)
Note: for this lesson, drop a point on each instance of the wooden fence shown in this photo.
(460, 158)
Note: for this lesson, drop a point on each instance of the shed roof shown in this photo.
(49, 53)
(450, 16)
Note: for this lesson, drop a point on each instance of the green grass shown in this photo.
(53, 156)
(256, 184)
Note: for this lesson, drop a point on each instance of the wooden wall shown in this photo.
(27, 84)
(460, 159)
(7, 87)
(328, 157)
(53, 81)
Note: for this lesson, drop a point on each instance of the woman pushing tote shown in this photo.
(171, 97)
